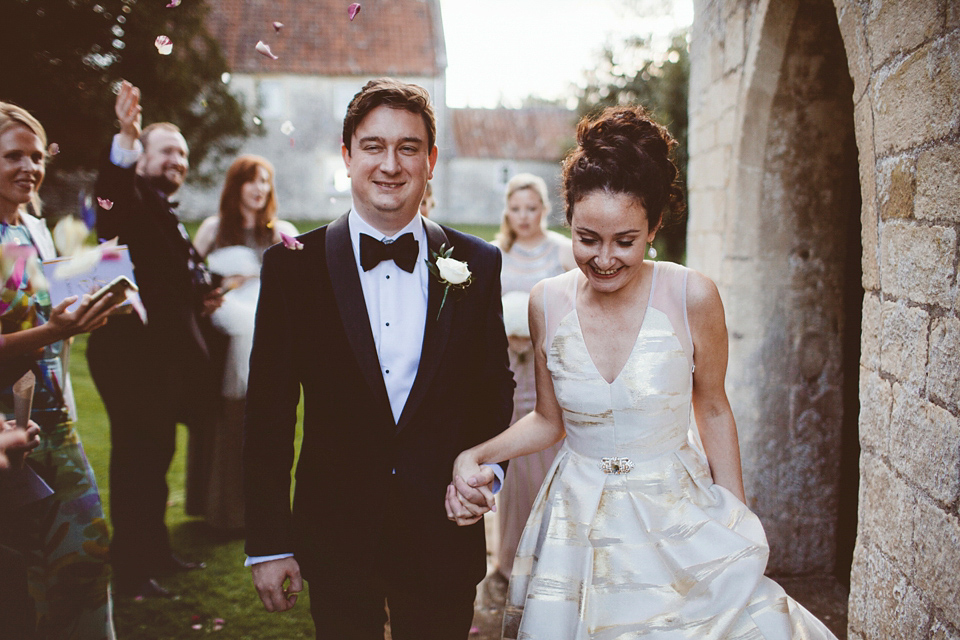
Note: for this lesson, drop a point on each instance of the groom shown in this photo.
(397, 379)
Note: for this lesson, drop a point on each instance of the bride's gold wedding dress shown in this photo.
(629, 537)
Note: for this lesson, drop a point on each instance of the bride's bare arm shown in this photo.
(537, 430)
(715, 420)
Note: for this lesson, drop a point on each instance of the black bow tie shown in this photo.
(403, 251)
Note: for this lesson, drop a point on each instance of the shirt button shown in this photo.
(388, 277)
(388, 324)
(388, 370)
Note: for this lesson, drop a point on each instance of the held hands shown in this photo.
(211, 302)
(470, 494)
(268, 579)
(16, 443)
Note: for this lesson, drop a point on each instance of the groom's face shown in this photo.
(389, 162)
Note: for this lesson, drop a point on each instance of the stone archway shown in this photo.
(793, 260)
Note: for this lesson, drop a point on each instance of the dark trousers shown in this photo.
(142, 382)
(425, 603)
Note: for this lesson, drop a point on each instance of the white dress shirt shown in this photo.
(396, 307)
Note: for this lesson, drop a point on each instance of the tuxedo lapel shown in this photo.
(436, 331)
(345, 281)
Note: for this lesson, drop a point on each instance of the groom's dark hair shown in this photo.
(396, 95)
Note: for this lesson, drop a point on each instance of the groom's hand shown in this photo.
(468, 499)
(268, 578)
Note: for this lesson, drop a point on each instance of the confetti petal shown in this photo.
(197, 627)
(164, 45)
(257, 121)
(173, 3)
(290, 242)
(353, 10)
(105, 204)
(277, 26)
(264, 48)
(69, 234)
(287, 128)
(53, 149)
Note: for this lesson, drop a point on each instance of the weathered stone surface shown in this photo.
(897, 185)
(895, 26)
(850, 20)
(940, 630)
(734, 45)
(903, 343)
(919, 98)
(889, 608)
(937, 540)
(869, 226)
(938, 184)
(870, 331)
(917, 262)
(943, 370)
(888, 510)
(876, 403)
(924, 444)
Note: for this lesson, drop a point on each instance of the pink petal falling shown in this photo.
(353, 10)
(264, 48)
(53, 149)
(290, 242)
(164, 45)
(105, 204)
(173, 3)
(277, 26)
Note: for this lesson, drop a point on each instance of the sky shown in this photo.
(500, 51)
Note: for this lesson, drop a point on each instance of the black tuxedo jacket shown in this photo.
(143, 220)
(313, 332)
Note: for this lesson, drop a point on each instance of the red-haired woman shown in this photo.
(233, 243)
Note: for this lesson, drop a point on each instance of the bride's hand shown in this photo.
(470, 494)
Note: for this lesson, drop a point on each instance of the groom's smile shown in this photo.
(389, 162)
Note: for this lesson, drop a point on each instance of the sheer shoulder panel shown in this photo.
(559, 299)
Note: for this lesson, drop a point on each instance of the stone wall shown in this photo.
(751, 173)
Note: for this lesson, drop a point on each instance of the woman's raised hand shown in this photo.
(91, 314)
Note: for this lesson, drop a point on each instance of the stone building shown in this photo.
(825, 202)
(323, 59)
(490, 146)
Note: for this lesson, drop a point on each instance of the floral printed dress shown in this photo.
(64, 537)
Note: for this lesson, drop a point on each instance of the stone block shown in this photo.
(924, 444)
(888, 510)
(883, 604)
(726, 131)
(871, 331)
(897, 184)
(918, 99)
(903, 343)
(938, 184)
(937, 540)
(940, 630)
(916, 262)
(850, 20)
(734, 45)
(876, 403)
(943, 374)
(895, 26)
(869, 229)
(953, 14)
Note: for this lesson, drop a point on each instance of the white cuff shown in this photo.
(498, 476)
(125, 158)
(252, 560)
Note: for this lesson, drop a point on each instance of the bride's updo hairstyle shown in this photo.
(622, 150)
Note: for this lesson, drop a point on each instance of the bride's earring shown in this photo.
(652, 253)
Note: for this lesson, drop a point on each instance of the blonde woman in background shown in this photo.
(530, 253)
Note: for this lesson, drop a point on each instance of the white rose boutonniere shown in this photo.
(451, 273)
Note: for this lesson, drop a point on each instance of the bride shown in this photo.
(640, 528)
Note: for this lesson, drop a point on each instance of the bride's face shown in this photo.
(610, 233)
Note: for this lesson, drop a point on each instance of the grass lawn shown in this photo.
(223, 589)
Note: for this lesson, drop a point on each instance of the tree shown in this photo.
(65, 58)
(632, 75)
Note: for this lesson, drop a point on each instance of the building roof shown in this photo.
(387, 37)
(514, 134)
